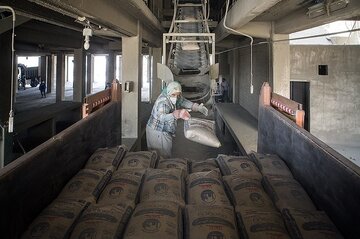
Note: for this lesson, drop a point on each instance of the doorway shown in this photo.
(300, 92)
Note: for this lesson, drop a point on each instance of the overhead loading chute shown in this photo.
(189, 49)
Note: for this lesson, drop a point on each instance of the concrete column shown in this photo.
(89, 72)
(60, 77)
(155, 83)
(5, 76)
(79, 75)
(49, 70)
(43, 69)
(235, 79)
(110, 67)
(132, 65)
(281, 65)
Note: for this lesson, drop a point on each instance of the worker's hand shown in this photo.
(181, 114)
(200, 108)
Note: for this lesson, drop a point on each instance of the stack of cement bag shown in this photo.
(98, 201)
(135, 195)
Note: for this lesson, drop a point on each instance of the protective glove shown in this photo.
(181, 114)
(200, 108)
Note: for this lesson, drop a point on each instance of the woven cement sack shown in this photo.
(98, 222)
(139, 160)
(204, 166)
(179, 163)
(206, 189)
(56, 220)
(257, 223)
(86, 185)
(246, 192)
(137, 172)
(303, 224)
(122, 187)
(210, 222)
(271, 165)
(163, 185)
(240, 165)
(106, 158)
(201, 131)
(155, 220)
(287, 193)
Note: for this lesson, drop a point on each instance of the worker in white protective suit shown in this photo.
(168, 108)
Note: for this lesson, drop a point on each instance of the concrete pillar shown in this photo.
(132, 63)
(43, 69)
(235, 77)
(281, 65)
(79, 74)
(110, 67)
(5, 76)
(60, 77)
(155, 83)
(89, 72)
(49, 69)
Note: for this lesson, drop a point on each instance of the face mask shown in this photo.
(173, 99)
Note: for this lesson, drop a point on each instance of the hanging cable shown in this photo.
(11, 113)
(251, 45)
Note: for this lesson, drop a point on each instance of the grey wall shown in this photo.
(238, 68)
(334, 99)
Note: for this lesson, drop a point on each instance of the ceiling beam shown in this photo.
(298, 20)
(121, 16)
(242, 12)
(6, 23)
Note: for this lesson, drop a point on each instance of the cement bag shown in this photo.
(163, 185)
(210, 222)
(257, 223)
(206, 189)
(246, 192)
(106, 158)
(204, 166)
(155, 220)
(179, 163)
(137, 172)
(303, 224)
(287, 193)
(86, 185)
(122, 187)
(240, 165)
(201, 131)
(56, 220)
(139, 160)
(271, 165)
(98, 222)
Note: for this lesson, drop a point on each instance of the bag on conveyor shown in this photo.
(179, 163)
(163, 185)
(206, 189)
(271, 165)
(56, 220)
(137, 172)
(155, 220)
(204, 166)
(240, 165)
(86, 185)
(201, 131)
(257, 223)
(99, 221)
(287, 193)
(139, 160)
(210, 222)
(106, 158)
(123, 187)
(303, 224)
(246, 192)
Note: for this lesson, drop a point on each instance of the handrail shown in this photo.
(291, 109)
(98, 100)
